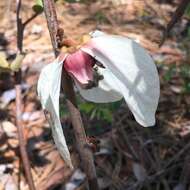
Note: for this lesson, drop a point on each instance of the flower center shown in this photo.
(80, 66)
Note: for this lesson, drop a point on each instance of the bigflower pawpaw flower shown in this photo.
(105, 69)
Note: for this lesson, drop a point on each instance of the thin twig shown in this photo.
(18, 80)
(52, 24)
(176, 156)
(176, 16)
(22, 142)
(19, 27)
(30, 19)
(67, 85)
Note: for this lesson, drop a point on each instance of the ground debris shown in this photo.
(127, 155)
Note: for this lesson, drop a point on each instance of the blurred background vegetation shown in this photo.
(127, 156)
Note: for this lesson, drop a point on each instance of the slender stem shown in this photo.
(80, 135)
(22, 142)
(18, 80)
(84, 151)
(19, 27)
(30, 19)
(52, 23)
(176, 16)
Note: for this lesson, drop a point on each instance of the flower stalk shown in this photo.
(85, 152)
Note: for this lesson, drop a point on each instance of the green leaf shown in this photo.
(3, 62)
(107, 114)
(87, 107)
(187, 11)
(169, 73)
(38, 7)
(17, 62)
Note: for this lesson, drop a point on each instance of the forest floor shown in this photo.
(128, 156)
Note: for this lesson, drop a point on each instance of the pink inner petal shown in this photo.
(79, 65)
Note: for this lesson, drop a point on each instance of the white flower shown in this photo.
(127, 69)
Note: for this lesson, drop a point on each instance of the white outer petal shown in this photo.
(136, 71)
(96, 33)
(105, 92)
(48, 89)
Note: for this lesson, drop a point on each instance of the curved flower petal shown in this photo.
(48, 89)
(105, 91)
(79, 65)
(97, 33)
(138, 79)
